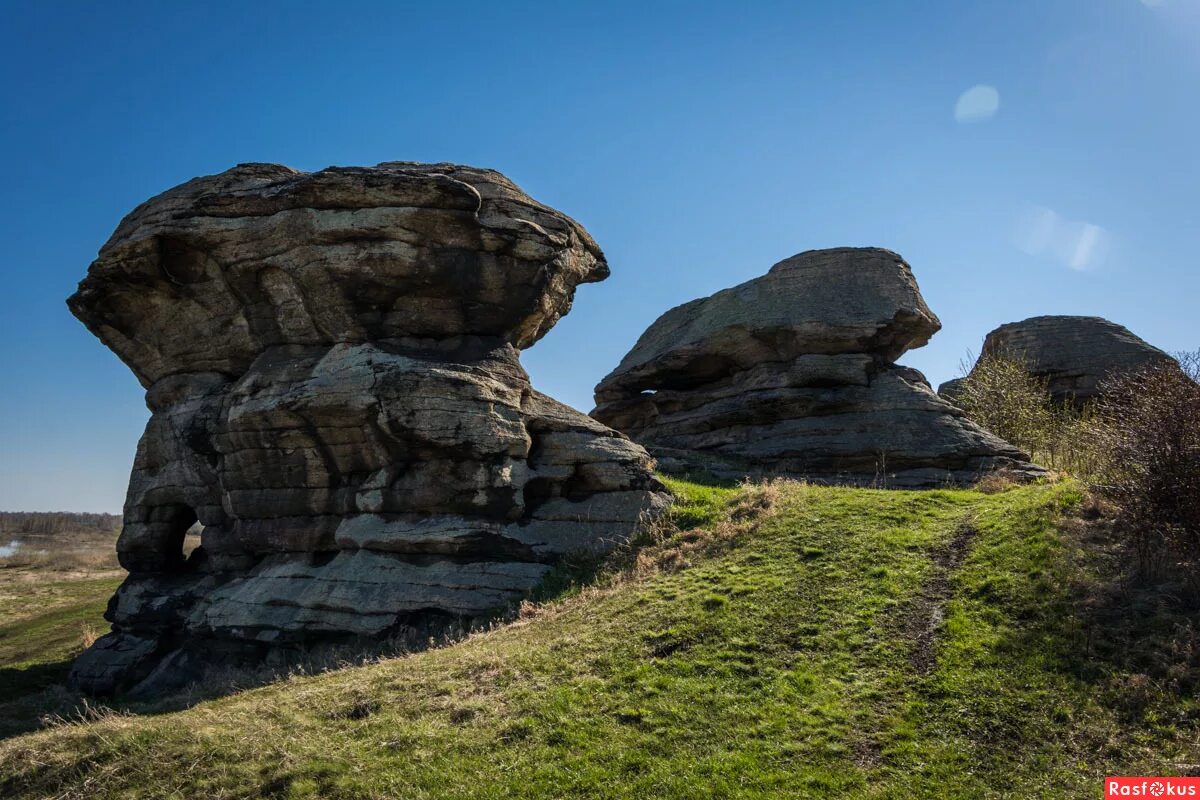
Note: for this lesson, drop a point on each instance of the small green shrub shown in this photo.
(1002, 396)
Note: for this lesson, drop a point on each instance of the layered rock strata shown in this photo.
(794, 374)
(1073, 355)
(331, 360)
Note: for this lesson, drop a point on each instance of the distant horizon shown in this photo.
(1024, 158)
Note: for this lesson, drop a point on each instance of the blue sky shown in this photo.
(698, 142)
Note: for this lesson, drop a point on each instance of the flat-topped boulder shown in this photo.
(207, 275)
(821, 302)
(1073, 355)
(332, 365)
(794, 374)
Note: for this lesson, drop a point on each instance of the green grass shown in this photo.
(46, 618)
(783, 641)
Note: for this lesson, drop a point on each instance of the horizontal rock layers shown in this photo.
(1073, 355)
(794, 373)
(332, 364)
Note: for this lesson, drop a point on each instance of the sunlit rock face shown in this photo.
(1072, 355)
(794, 374)
(332, 364)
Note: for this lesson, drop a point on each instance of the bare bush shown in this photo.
(1138, 446)
(1152, 436)
(1189, 362)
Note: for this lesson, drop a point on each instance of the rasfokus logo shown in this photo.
(1151, 787)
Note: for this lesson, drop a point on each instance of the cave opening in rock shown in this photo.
(173, 521)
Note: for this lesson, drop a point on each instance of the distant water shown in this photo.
(10, 549)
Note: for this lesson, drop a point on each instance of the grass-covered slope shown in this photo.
(787, 641)
(46, 618)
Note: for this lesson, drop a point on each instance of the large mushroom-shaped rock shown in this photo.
(1073, 355)
(332, 364)
(794, 373)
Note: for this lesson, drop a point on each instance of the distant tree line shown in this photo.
(55, 522)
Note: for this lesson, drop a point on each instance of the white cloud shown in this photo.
(977, 104)
(1090, 238)
(1035, 230)
(1078, 245)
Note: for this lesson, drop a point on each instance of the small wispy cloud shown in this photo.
(977, 104)
(1078, 245)
(1087, 245)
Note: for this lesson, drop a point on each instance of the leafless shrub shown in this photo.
(1138, 447)
(1189, 362)
(1152, 435)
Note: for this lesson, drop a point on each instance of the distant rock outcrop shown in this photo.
(1073, 355)
(951, 390)
(793, 373)
(331, 360)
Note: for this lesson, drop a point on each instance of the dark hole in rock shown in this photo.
(323, 557)
(697, 372)
(576, 488)
(536, 492)
(173, 521)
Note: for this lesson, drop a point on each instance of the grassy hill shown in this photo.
(46, 618)
(780, 641)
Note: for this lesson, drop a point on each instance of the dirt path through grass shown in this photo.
(925, 617)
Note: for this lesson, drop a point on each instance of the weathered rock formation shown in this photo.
(331, 362)
(794, 373)
(1073, 355)
(951, 390)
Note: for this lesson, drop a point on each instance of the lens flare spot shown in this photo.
(977, 104)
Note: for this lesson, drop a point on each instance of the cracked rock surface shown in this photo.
(793, 373)
(331, 360)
